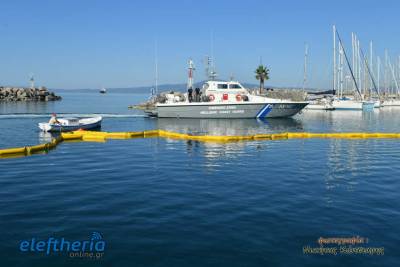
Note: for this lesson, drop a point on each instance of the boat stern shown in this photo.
(45, 127)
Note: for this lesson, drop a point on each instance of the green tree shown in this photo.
(262, 74)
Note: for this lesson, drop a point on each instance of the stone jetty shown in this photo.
(292, 94)
(27, 94)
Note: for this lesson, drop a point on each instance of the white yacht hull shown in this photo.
(347, 105)
(392, 103)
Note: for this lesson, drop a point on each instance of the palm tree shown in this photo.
(262, 74)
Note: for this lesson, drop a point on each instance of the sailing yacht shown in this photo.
(357, 102)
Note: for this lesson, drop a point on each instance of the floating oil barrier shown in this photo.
(92, 136)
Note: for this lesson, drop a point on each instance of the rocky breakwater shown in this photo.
(27, 94)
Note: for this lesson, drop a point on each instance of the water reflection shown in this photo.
(27, 107)
(45, 137)
(229, 126)
(347, 162)
(215, 153)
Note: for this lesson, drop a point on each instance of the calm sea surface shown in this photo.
(160, 202)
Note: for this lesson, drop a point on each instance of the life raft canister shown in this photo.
(211, 97)
(238, 97)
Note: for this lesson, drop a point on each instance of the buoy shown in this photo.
(211, 97)
(93, 136)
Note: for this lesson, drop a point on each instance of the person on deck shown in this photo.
(190, 94)
(53, 119)
(197, 94)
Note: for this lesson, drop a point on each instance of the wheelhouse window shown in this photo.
(235, 86)
(222, 86)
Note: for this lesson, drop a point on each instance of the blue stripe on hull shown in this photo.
(264, 111)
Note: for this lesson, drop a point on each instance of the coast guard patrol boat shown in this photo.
(219, 99)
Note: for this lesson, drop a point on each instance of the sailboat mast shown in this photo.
(352, 53)
(367, 69)
(398, 68)
(385, 78)
(334, 57)
(348, 64)
(156, 65)
(365, 77)
(394, 78)
(370, 64)
(305, 66)
(370, 55)
(359, 66)
(378, 63)
(341, 70)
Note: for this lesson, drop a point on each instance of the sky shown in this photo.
(90, 44)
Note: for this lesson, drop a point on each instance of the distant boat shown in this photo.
(320, 104)
(71, 124)
(103, 90)
(345, 103)
(391, 102)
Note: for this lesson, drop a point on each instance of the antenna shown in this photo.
(207, 66)
(212, 50)
(190, 74)
(32, 80)
(212, 73)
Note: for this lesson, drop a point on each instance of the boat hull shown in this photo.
(319, 107)
(347, 105)
(95, 124)
(227, 111)
(391, 103)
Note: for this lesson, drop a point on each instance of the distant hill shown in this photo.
(180, 87)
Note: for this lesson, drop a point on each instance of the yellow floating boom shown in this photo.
(92, 136)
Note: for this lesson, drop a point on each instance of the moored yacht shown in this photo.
(347, 104)
(392, 102)
(320, 104)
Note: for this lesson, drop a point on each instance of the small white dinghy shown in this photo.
(71, 124)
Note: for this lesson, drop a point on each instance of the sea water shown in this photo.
(162, 202)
